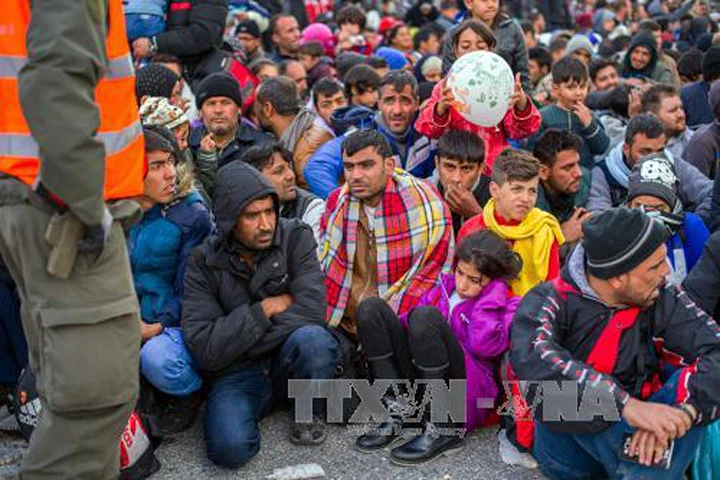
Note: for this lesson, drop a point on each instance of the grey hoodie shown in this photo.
(695, 189)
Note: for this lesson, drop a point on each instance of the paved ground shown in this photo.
(183, 457)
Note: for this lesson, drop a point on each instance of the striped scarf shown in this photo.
(413, 240)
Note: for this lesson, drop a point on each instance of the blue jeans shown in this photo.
(167, 364)
(591, 456)
(138, 25)
(13, 346)
(237, 401)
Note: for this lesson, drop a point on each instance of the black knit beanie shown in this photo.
(620, 239)
(220, 84)
(155, 80)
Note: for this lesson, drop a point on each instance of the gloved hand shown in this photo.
(96, 235)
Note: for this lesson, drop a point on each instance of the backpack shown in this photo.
(137, 442)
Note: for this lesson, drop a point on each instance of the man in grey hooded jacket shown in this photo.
(645, 135)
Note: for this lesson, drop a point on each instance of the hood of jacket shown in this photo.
(493, 295)
(646, 40)
(352, 116)
(574, 272)
(238, 184)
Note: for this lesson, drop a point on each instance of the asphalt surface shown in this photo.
(183, 457)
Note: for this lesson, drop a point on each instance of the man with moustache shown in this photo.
(398, 102)
(253, 315)
(275, 162)
(645, 354)
(222, 136)
(386, 234)
(564, 184)
(645, 135)
(664, 102)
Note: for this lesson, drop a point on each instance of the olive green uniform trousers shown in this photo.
(83, 331)
(83, 336)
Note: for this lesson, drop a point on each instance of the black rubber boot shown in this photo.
(387, 432)
(436, 439)
(428, 446)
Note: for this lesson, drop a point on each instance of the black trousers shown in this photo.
(428, 350)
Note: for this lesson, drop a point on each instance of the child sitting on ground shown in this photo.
(439, 116)
(458, 331)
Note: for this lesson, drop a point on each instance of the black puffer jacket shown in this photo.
(194, 33)
(223, 321)
(553, 333)
(703, 281)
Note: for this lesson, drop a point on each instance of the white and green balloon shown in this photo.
(482, 84)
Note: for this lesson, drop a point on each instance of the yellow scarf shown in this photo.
(533, 240)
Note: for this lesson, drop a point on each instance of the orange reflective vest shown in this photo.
(120, 129)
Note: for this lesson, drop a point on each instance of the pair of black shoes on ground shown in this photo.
(434, 442)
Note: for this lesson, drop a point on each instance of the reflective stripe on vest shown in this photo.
(119, 130)
(24, 145)
(121, 67)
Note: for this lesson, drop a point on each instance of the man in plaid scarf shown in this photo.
(386, 233)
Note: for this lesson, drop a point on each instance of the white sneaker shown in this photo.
(510, 455)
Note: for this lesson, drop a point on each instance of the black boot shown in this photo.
(390, 430)
(428, 446)
(177, 414)
(384, 434)
(436, 439)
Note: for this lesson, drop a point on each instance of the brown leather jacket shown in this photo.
(311, 139)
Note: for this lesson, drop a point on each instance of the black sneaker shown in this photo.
(308, 433)
(177, 414)
(426, 447)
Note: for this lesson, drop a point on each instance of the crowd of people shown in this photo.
(316, 206)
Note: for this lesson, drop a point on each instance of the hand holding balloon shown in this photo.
(482, 86)
(447, 99)
(518, 99)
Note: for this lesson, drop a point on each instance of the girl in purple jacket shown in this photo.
(459, 330)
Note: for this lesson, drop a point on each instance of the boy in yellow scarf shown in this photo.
(535, 235)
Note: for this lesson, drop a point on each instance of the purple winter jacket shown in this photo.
(482, 327)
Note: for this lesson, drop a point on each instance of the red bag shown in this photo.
(137, 450)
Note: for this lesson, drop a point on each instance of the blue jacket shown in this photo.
(324, 169)
(159, 245)
(691, 241)
(145, 7)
